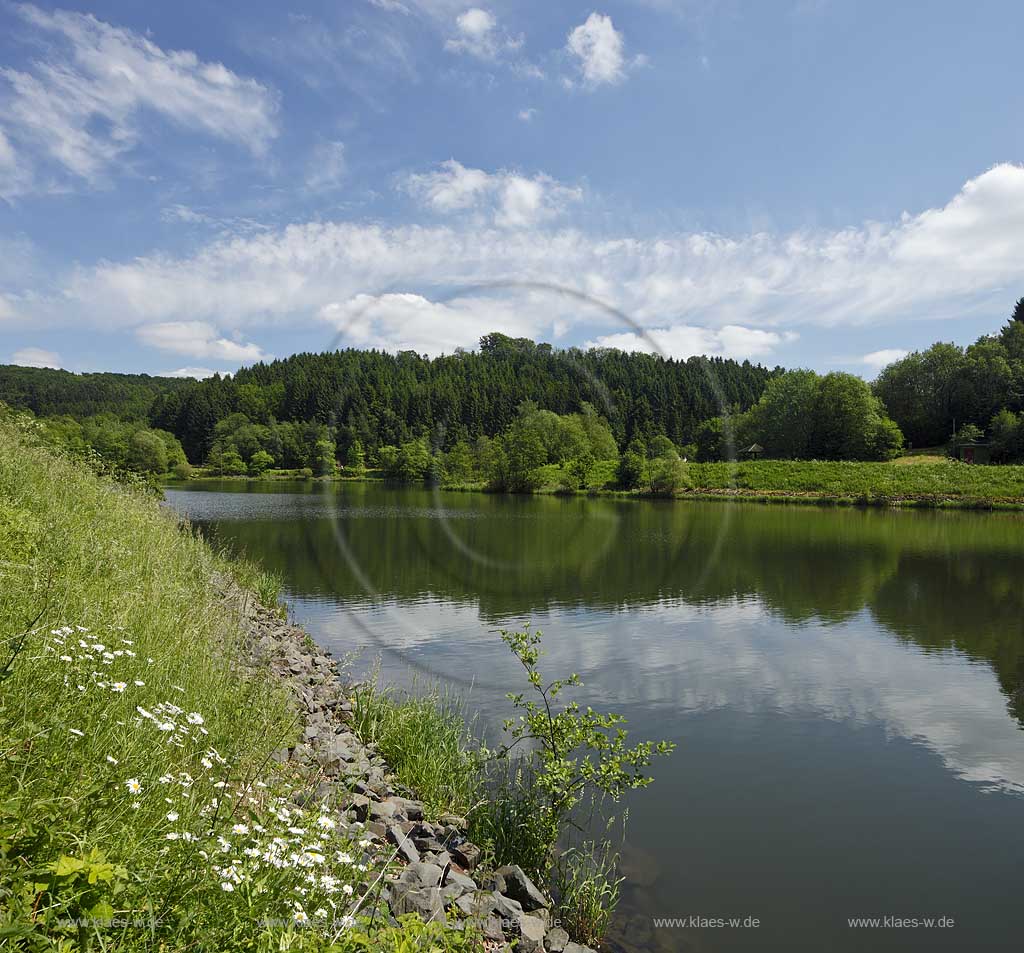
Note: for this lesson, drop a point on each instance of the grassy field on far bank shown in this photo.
(918, 480)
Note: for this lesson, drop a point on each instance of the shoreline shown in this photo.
(441, 877)
(917, 501)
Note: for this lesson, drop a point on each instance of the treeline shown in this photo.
(977, 391)
(375, 399)
(51, 393)
(802, 415)
(127, 445)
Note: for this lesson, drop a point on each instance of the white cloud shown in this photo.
(946, 262)
(392, 6)
(683, 341)
(327, 166)
(398, 322)
(506, 198)
(35, 357)
(526, 115)
(599, 50)
(199, 373)
(879, 359)
(80, 108)
(478, 34)
(197, 339)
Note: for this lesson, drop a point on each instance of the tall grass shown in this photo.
(424, 736)
(139, 808)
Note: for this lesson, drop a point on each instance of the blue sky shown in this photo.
(190, 187)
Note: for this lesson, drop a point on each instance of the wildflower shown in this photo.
(165, 779)
(178, 688)
(327, 823)
(329, 883)
(75, 731)
(344, 858)
(98, 647)
(118, 686)
(227, 886)
(321, 914)
(194, 718)
(171, 835)
(127, 642)
(136, 805)
(299, 916)
(347, 890)
(206, 763)
(129, 653)
(149, 660)
(166, 726)
(348, 921)
(139, 682)
(142, 711)
(111, 760)
(172, 816)
(365, 843)
(239, 829)
(65, 658)
(133, 785)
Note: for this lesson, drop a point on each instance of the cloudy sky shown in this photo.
(190, 187)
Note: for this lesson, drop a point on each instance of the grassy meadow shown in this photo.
(139, 805)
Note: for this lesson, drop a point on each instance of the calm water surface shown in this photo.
(846, 688)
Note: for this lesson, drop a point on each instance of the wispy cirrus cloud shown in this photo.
(749, 290)
(36, 357)
(67, 117)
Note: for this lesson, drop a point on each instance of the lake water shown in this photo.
(846, 687)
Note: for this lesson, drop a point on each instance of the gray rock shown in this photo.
(426, 902)
(384, 811)
(506, 908)
(406, 848)
(519, 887)
(531, 934)
(571, 947)
(466, 855)
(422, 874)
(453, 820)
(556, 941)
(411, 809)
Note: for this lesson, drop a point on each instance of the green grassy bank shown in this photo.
(922, 481)
(135, 748)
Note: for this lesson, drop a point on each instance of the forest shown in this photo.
(498, 414)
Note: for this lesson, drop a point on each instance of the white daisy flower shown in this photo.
(347, 890)
(172, 816)
(194, 718)
(299, 916)
(171, 835)
(118, 686)
(111, 760)
(227, 886)
(327, 823)
(239, 829)
(133, 785)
